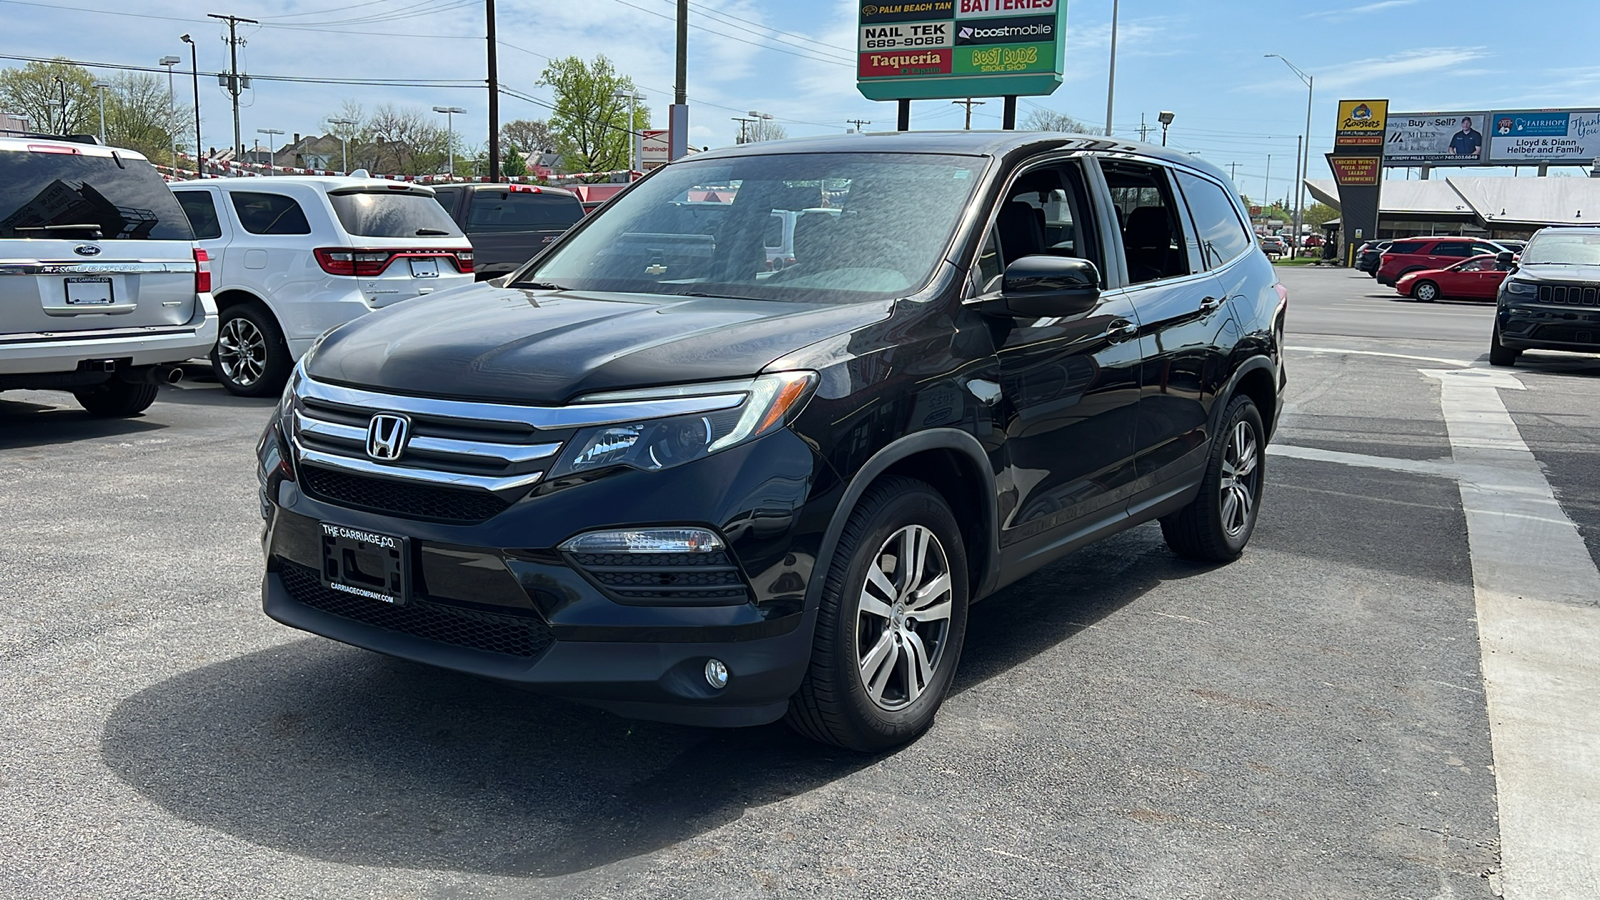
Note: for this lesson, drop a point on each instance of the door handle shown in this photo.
(1210, 303)
(1121, 330)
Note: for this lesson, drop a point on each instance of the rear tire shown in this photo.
(250, 358)
(1499, 354)
(891, 624)
(1425, 291)
(1218, 523)
(116, 399)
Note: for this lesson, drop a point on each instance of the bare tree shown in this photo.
(36, 90)
(139, 117)
(764, 130)
(406, 141)
(530, 136)
(1050, 120)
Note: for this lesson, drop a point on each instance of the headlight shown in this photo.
(1521, 287)
(770, 402)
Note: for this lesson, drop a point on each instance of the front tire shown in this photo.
(1425, 291)
(1218, 523)
(1499, 354)
(891, 624)
(116, 399)
(250, 358)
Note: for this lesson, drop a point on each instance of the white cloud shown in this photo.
(1406, 64)
(1360, 10)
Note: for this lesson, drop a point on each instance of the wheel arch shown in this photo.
(953, 463)
(1256, 379)
(228, 298)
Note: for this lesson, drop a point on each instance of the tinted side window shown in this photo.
(41, 190)
(521, 211)
(202, 213)
(1405, 247)
(1153, 236)
(269, 213)
(446, 198)
(1458, 250)
(1222, 235)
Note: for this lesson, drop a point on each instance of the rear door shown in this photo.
(212, 228)
(90, 240)
(404, 242)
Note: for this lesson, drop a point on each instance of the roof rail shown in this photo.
(69, 138)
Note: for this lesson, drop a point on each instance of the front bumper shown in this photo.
(496, 599)
(1533, 326)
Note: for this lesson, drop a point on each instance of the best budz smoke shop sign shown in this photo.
(938, 49)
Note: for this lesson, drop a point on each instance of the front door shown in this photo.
(1069, 386)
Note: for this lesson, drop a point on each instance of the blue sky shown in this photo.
(1202, 60)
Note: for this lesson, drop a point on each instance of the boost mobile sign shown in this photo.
(942, 49)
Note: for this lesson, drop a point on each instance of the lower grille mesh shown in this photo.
(414, 501)
(686, 578)
(490, 632)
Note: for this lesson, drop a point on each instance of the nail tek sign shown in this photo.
(939, 49)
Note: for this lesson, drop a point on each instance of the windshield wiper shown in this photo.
(539, 285)
(432, 232)
(90, 226)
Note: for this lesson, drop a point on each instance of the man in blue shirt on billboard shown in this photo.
(1466, 142)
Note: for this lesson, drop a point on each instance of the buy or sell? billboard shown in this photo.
(943, 49)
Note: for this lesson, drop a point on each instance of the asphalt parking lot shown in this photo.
(1311, 721)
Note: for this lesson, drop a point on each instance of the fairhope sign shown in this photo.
(1506, 138)
(944, 49)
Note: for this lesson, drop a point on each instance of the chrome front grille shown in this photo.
(1569, 294)
(491, 454)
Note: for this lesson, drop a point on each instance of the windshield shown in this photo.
(70, 196)
(396, 215)
(1555, 248)
(866, 226)
(521, 211)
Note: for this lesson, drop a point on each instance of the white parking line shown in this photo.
(1433, 359)
(1439, 469)
(1536, 590)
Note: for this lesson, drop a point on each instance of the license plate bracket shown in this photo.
(424, 267)
(366, 564)
(89, 290)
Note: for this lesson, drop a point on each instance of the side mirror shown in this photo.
(1505, 257)
(1048, 286)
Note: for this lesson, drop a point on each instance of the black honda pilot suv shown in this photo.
(665, 473)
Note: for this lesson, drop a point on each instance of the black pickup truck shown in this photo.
(509, 223)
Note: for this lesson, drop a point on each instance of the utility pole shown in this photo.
(494, 98)
(1144, 130)
(678, 116)
(62, 129)
(969, 103)
(1266, 184)
(100, 88)
(858, 123)
(743, 128)
(1233, 171)
(234, 88)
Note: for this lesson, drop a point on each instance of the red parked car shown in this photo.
(1475, 279)
(1413, 254)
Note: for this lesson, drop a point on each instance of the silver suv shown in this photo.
(102, 289)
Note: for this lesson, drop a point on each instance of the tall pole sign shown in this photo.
(957, 49)
(1357, 164)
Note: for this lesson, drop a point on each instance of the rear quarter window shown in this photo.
(263, 213)
(1405, 247)
(392, 214)
(124, 197)
(202, 213)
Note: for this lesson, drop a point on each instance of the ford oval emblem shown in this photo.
(86, 250)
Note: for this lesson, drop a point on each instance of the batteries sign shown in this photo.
(935, 49)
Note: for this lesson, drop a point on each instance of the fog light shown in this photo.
(646, 540)
(716, 673)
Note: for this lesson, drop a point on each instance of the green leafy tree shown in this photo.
(1320, 214)
(590, 124)
(513, 165)
(36, 90)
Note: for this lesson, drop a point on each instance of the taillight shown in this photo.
(353, 262)
(202, 271)
(463, 260)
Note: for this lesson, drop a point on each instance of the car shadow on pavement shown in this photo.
(27, 424)
(327, 752)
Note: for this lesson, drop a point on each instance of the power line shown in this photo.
(291, 79)
(731, 37)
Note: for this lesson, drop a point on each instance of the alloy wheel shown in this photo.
(1240, 473)
(904, 617)
(1426, 292)
(242, 351)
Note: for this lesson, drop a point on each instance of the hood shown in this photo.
(1562, 273)
(538, 347)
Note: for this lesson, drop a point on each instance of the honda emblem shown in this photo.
(386, 436)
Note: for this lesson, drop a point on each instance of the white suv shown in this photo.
(295, 256)
(102, 289)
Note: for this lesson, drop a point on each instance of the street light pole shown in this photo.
(100, 88)
(1303, 163)
(269, 132)
(344, 146)
(1111, 82)
(633, 97)
(1165, 118)
(172, 106)
(194, 66)
(450, 128)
